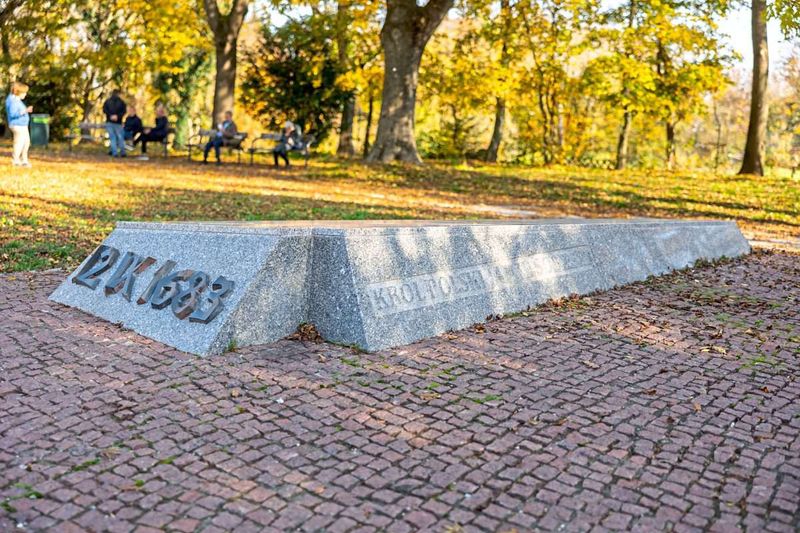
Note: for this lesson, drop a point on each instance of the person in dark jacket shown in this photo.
(224, 136)
(157, 133)
(114, 109)
(133, 125)
(290, 140)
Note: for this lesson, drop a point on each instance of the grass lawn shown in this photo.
(55, 213)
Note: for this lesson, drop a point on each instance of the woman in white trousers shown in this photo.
(18, 116)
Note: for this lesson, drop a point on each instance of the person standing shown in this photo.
(157, 133)
(114, 109)
(19, 117)
(225, 134)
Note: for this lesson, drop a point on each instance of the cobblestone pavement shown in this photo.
(673, 404)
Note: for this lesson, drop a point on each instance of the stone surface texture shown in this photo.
(669, 405)
(389, 283)
(268, 267)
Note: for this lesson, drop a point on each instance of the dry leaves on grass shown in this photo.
(54, 214)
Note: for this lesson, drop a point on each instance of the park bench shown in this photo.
(199, 139)
(165, 142)
(306, 142)
(590, 161)
(83, 132)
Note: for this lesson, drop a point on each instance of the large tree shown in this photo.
(499, 31)
(405, 32)
(225, 27)
(757, 127)
(788, 13)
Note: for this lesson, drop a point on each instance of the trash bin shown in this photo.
(40, 129)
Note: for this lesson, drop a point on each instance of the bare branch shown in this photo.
(236, 16)
(7, 8)
(212, 14)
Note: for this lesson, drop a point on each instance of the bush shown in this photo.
(293, 74)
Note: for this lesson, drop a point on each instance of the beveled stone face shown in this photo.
(201, 286)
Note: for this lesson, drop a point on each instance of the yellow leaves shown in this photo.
(429, 395)
(716, 349)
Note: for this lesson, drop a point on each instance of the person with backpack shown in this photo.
(114, 109)
(18, 116)
(290, 140)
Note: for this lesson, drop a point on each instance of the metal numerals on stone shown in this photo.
(125, 276)
(219, 291)
(101, 260)
(191, 299)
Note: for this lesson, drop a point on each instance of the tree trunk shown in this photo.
(406, 31)
(757, 128)
(5, 61)
(545, 112)
(500, 104)
(718, 147)
(346, 148)
(370, 109)
(402, 53)
(622, 144)
(225, 29)
(343, 19)
(87, 106)
(627, 118)
(225, 80)
(497, 132)
(4, 46)
(670, 148)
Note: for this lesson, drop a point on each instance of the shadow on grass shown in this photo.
(566, 189)
(63, 231)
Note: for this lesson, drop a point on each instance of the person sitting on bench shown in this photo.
(133, 126)
(290, 140)
(156, 134)
(225, 135)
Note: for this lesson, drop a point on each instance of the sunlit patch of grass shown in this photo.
(55, 213)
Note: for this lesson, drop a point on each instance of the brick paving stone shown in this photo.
(667, 405)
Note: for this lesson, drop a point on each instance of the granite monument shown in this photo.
(203, 287)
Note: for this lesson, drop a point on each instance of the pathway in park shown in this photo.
(673, 403)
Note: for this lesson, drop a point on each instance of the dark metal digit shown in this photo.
(126, 274)
(165, 269)
(220, 290)
(167, 288)
(101, 260)
(186, 302)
